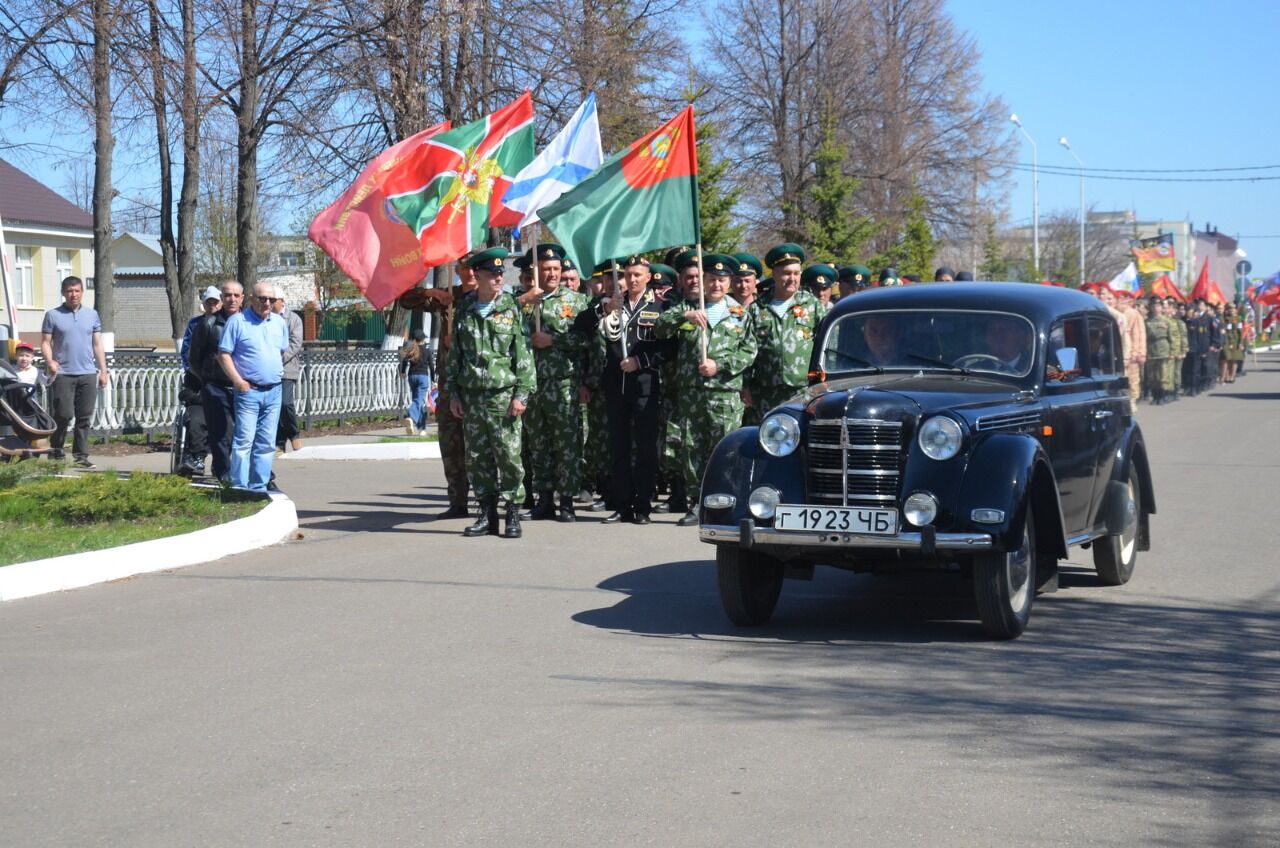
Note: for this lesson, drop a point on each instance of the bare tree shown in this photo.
(26, 28)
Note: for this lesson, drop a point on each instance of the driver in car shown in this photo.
(883, 335)
(1008, 341)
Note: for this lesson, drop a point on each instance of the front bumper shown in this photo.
(927, 541)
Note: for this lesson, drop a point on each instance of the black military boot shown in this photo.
(493, 518)
(567, 514)
(481, 526)
(546, 508)
(456, 511)
(677, 502)
(513, 521)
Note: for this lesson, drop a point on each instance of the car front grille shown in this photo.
(854, 462)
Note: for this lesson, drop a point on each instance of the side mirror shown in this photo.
(1068, 359)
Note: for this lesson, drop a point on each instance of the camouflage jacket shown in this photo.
(557, 311)
(1160, 338)
(731, 343)
(489, 353)
(785, 340)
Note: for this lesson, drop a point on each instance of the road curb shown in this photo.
(272, 524)
(389, 450)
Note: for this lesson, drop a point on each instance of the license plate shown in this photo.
(843, 519)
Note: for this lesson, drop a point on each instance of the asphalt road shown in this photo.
(383, 681)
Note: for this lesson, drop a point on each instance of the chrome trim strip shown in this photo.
(877, 422)
(722, 534)
(854, 471)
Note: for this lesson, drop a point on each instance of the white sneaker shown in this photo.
(409, 429)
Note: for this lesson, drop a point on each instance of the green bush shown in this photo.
(102, 498)
(13, 473)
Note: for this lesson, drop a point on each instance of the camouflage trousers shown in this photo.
(671, 434)
(555, 437)
(453, 452)
(1160, 376)
(1177, 374)
(596, 461)
(709, 418)
(493, 445)
(766, 398)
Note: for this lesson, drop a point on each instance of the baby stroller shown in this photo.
(24, 425)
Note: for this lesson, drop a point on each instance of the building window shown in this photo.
(24, 290)
(63, 268)
(291, 258)
(88, 283)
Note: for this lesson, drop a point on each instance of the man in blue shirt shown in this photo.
(251, 351)
(71, 342)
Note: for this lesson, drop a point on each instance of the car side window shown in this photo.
(1104, 348)
(1067, 349)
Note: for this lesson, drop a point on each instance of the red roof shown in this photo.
(26, 200)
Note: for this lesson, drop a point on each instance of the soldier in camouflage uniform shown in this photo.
(453, 450)
(555, 427)
(672, 426)
(710, 387)
(1160, 346)
(490, 376)
(818, 280)
(784, 328)
(595, 443)
(1175, 314)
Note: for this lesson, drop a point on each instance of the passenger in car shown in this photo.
(883, 335)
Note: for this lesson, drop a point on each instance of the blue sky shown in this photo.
(1137, 85)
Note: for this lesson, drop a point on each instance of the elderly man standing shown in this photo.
(251, 351)
(287, 430)
(71, 343)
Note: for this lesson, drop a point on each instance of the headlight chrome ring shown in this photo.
(780, 434)
(940, 438)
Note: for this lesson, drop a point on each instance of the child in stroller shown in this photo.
(25, 426)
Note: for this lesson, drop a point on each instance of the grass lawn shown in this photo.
(44, 516)
(430, 437)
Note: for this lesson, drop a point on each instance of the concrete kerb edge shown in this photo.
(270, 525)
(376, 451)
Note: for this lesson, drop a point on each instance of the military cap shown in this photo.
(488, 260)
(687, 259)
(889, 277)
(784, 254)
(964, 277)
(546, 252)
(566, 264)
(673, 254)
(605, 267)
(663, 275)
(858, 276)
(818, 276)
(634, 259)
(718, 264)
(748, 264)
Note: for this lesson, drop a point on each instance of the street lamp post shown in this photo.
(1063, 141)
(1035, 196)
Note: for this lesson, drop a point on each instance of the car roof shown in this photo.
(1041, 304)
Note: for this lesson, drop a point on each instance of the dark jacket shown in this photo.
(631, 333)
(204, 350)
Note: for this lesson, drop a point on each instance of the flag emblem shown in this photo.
(473, 184)
(659, 147)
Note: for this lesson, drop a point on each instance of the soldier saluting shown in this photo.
(489, 379)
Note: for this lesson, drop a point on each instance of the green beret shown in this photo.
(663, 275)
(688, 259)
(748, 264)
(488, 260)
(889, 277)
(605, 267)
(818, 276)
(784, 254)
(718, 264)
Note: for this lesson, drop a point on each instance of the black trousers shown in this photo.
(220, 422)
(73, 396)
(1202, 371)
(633, 440)
(197, 433)
(288, 427)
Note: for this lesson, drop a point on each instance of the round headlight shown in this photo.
(920, 509)
(763, 502)
(780, 434)
(940, 437)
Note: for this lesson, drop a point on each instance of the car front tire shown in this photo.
(1004, 586)
(749, 583)
(1115, 556)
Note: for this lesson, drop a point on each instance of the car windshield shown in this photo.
(987, 342)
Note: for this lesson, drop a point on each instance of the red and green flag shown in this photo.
(643, 198)
(449, 189)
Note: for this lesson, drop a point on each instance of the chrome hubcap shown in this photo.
(1018, 574)
(1129, 535)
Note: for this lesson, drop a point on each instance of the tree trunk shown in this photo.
(180, 302)
(103, 146)
(247, 135)
(190, 156)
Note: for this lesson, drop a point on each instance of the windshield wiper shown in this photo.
(857, 360)
(940, 363)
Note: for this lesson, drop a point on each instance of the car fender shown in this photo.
(1132, 454)
(738, 466)
(1006, 471)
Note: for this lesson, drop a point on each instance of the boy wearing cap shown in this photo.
(710, 385)
(489, 378)
(28, 373)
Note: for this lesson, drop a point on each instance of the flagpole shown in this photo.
(702, 299)
(613, 265)
(537, 307)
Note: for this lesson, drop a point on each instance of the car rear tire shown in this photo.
(750, 584)
(1004, 585)
(1115, 556)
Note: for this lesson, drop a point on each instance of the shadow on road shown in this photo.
(1247, 395)
(1181, 699)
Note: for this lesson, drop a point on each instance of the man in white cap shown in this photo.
(197, 441)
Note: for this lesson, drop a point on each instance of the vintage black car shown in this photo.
(978, 427)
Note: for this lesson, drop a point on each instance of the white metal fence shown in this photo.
(142, 395)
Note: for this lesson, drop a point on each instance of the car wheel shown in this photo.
(1004, 585)
(1114, 556)
(750, 584)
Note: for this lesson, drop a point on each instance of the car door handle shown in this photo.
(1102, 413)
